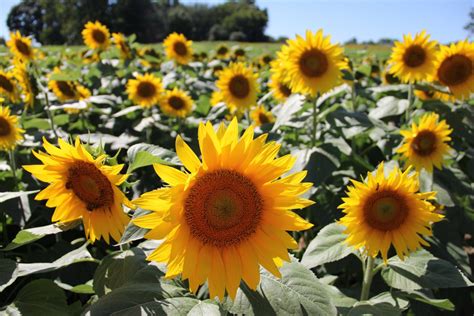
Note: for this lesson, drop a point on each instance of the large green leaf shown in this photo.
(421, 297)
(167, 306)
(383, 304)
(422, 270)
(8, 273)
(298, 292)
(388, 106)
(142, 155)
(328, 246)
(133, 232)
(206, 308)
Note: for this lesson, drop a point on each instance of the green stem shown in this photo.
(50, 115)
(315, 122)
(410, 102)
(368, 275)
(4, 228)
(15, 181)
(354, 96)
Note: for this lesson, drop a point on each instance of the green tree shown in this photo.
(26, 17)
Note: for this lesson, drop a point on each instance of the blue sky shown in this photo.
(344, 19)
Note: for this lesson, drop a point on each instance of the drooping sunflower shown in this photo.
(426, 144)
(122, 45)
(384, 211)
(176, 103)
(20, 46)
(81, 186)
(228, 214)
(455, 68)
(96, 35)
(427, 95)
(27, 84)
(8, 85)
(10, 133)
(261, 116)
(145, 90)
(314, 64)
(413, 59)
(238, 86)
(178, 48)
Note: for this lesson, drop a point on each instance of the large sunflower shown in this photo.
(10, 133)
(238, 86)
(81, 186)
(260, 116)
(455, 68)
(314, 64)
(413, 59)
(228, 214)
(8, 86)
(384, 211)
(122, 45)
(96, 35)
(426, 144)
(176, 103)
(178, 48)
(145, 90)
(20, 46)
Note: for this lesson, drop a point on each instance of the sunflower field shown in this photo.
(303, 178)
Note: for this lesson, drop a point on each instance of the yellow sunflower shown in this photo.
(281, 90)
(426, 95)
(96, 35)
(81, 186)
(216, 98)
(228, 214)
(8, 86)
(82, 94)
(10, 133)
(384, 211)
(26, 82)
(413, 59)
(388, 78)
(145, 90)
(122, 45)
(238, 86)
(265, 60)
(455, 68)
(239, 53)
(222, 52)
(176, 103)
(20, 46)
(178, 48)
(426, 144)
(314, 64)
(260, 116)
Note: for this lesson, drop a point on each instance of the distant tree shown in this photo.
(26, 17)
(351, 41)
(386, 41)
(470, 26)
(180, 20)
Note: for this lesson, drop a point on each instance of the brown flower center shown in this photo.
(239, 52)
(285, 90)
(385, 210)
(90, 185)
(180, 48)
(176, 102)
(6, 83)
(390, 78)
(414, 56)
(222, 50)
(5, 127)
(424, 143)
(22, 47)
(239, 87)
(263, 118)
(99, 36)
(313, 63)
(455, 70)
(66, 88)
(266, 59)
(146, 89)
(223, 208)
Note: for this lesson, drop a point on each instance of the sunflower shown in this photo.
(145, 90)
(176, 103)
(455, 68)
(216, 98)
(228, 214)
(384, 211)
(388, 78)
(426, 144)
(238, 85)
(178, 48)
(26, 82)
(222, 52)
(281, 90)
(413, 59)
(81, 186)
(8, 86)
(260, 116)
(82, 94)
(314, 64)
(265, 60)
(10, 133)
(20, 46)
(239, 53)
(427, 95)
(122, 45)
(96, 35)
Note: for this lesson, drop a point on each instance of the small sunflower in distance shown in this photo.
(96, 35)
(238, 86)
(27, 83)
(260, 116)
(314, 64)
(178, 48)
(20, 46)
(222, 52)
(8, 85)
(413, 59)
(281, 90)
(81, 186)
(10, 133)
(145, 90)
(426, 144)
(228, 214)
(176, 103)
(427, 95)
(455, 68)
(122, 45)
(384, 211)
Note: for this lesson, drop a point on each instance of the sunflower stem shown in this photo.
(410, 102)
(50, 115)
(12, 159)
(315, 122)
(368, 275)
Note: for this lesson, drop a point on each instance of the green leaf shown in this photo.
(71, 75)
(389, 106)
(133, 232)
(203, 104)
(327, 246)
(61, 119)
(8, 273)
(38, 123)
(286, 111)
(39, 297)
(167, 306)
(298, 292)
(421, 297)
(142, 155)
(5, 196)
(422, 270)
(383, 304)
(206, 308)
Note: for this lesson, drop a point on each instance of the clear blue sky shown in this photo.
(344, 19)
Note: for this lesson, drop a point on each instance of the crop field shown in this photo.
(227, 178)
